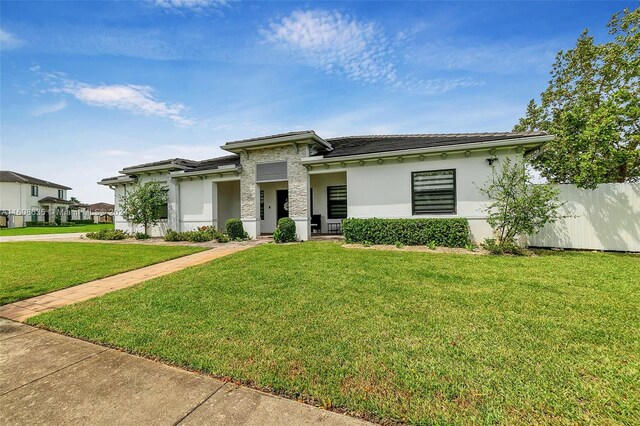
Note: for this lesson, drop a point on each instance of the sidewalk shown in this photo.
(42, 237)
(47, 378)
(20, 311)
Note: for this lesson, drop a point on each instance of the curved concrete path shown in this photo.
(48, 378)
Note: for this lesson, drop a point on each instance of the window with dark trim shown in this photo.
(337, 202)
(60, 194)
(433, 191)
(34, 190)
(163, 211)
(261, 205)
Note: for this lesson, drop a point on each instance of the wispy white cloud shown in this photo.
(9, 41)
(49, 108)
(198, 6)
(335, 42)
(437, 85)
(360, 51)
(490, 57)
(136, 99)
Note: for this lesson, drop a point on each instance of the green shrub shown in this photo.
(174, 236)
(108, 234)
(285, 231)
(452, 232)
(432, 245)
(141, 236)
(235, 230)
(507, 247)
(199, 236)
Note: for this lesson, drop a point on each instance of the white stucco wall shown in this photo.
(384, 191)
(196, 200)
(228, 202)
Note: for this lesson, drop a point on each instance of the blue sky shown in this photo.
(88, 88)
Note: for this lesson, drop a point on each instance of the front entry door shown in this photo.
(282, 201)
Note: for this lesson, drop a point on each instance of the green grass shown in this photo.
(29, 269)
(423, 338)
(37, 230)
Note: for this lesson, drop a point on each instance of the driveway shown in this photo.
(47, 378)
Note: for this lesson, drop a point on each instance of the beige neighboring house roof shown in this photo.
(102, 207)
(9, 176)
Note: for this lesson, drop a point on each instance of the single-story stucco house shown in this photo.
(318, 182)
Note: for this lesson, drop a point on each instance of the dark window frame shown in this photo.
(34, 190)
(262, 204)
(331, 202)
(455, 193)
(164, 210)
(61, 194)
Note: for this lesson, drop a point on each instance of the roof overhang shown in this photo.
(118, 180)
(154, 169)
(303, 138)
(525, 143)
(220, 171)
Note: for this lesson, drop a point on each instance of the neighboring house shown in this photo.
(318, 182)
(27, 199)
(101, 212)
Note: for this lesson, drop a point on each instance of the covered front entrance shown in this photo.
(274, 205)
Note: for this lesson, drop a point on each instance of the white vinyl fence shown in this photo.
(606, 218)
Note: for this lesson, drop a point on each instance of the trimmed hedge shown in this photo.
(82, 222)
(109, 234)
(452, 232)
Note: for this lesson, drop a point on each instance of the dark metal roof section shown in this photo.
(370, 144)
(9, 176)
(55, 200)
(279, 135)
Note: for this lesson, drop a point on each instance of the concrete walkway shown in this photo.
(42, 237)
(20, 311)
(47, 378)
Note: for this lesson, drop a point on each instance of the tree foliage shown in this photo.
(517, 207)
(592, 105)
(145, 204)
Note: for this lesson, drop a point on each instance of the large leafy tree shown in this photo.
(592, 105)
(145, 204)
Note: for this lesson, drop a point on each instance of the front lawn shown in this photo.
(421, 338)
(29, 269)
(37, 230)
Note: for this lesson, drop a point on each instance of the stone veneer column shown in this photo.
(249, 196)
(298, 183)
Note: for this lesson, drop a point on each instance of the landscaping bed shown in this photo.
(29, 269)
(395, 336)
